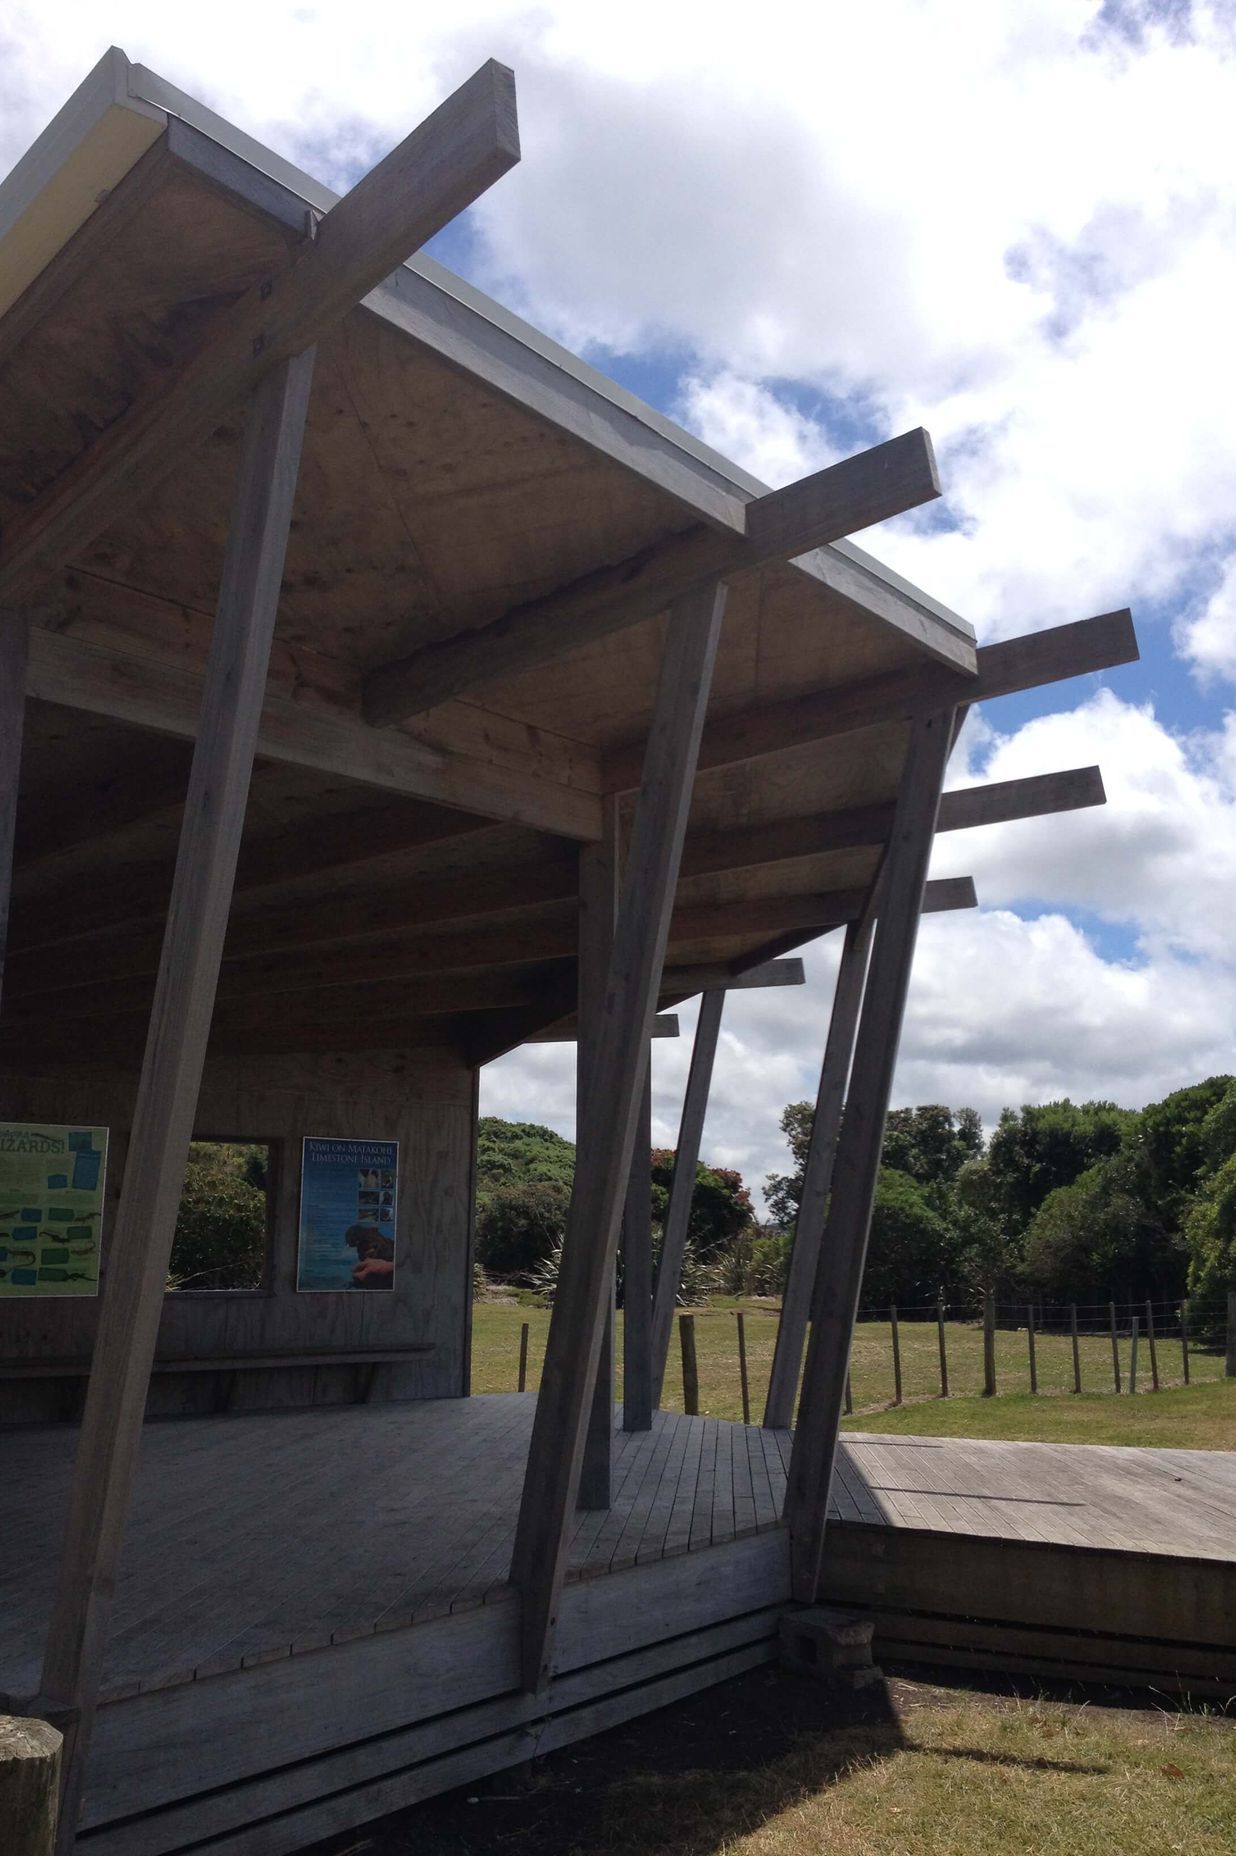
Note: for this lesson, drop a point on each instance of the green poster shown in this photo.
(51, 1208)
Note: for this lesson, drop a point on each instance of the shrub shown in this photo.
(220, 1240)
(517, 1229)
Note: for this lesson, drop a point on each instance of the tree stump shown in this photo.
(29, 1784)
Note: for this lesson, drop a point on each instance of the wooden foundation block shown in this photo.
(829, 1643)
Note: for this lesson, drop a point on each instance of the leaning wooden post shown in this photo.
(1115, 1346)
(682, 1186)
(597, 912)
(849, 1396)
(523, 1357)
(1076, 1349)
(607, 1134)
(1133, 1357)
(942, 1345)
(14, 652)
(690, 1366)
(896, 1334)
(744, 1382)
(167, 1092)
(637, 1404)
(29, 1785)
(1034, 1366)
(1150, 1342)
(857, 1164)
(989, 1345)
(1184, 1338)
(1229, 1360)
(817, 1175)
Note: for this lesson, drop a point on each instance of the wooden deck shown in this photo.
(307, 1598)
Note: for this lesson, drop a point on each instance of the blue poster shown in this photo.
(348, 1201)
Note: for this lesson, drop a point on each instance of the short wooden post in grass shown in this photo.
(29, 1785)
(523, 1357)
(943, 1348)
(743, 1381)
(1111, 1306)
(1076, 1348)
(690, 1369)
(1184, 1338)
(1154, 1357)
(989, 1346)
(892, 1316)
(849, 1396)
(1229, 1361)
(1034, 1368)
(1133, 1355)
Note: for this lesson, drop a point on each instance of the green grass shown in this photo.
(1201, 1416)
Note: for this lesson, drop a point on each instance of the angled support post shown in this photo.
(598, 907)
(818, 1174)
(607, 1134)
(857, 1161)
(682, 1187)
(171, 1070)
(14, 653)
(637, 1400)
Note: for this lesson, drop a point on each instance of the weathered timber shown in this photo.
(637, 1358)
(817, 1175)
(682, 1186)
(607, 1136)
(598, 876)
(171, 1071)
(14, 642)
(1023, 663)
(857, 1162)
(690, 1365)
(879, 483)
(29, 1781)
(458, 152)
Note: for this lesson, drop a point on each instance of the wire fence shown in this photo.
(721, 1358)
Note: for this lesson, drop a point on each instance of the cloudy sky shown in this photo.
(799, 230)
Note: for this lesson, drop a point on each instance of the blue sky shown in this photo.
(801, 231)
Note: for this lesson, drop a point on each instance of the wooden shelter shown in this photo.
(382, 688)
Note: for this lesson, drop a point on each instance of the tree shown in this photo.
(1102, 1236)
(931, 1144)
(910, 1250)
(1037, 1148)
(221, 1226)
(720, 1203)
(520, 1153)
(784, 1191)
(519, 1225)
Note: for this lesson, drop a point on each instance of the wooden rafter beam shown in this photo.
(837, 501)
(458, 152)
(897, 696)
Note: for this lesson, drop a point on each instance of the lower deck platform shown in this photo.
(313, 1625)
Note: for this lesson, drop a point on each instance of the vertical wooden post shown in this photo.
(1133, 1358)
(1076, 1349)
(637, 1406)
(857, 1164)
(896, 1332)
(849, 1396)
(1034, 1366)
(1184, 1337)
(743, 1381)
(682, 1186)
(29, 1785)
(1150, 1342)
(599, 865)
(943, 1348)
(607, 1135)
(175, 1049)
(14, 652)
(1115, 1345)
(1229, 1359)
(817, 1175)
(690, 1366)
(523, 1357)
(989, 1345)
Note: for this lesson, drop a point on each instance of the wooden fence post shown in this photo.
(29, 1785)
(1154, 1357)
(523, 1357)
(743, 1381)
(1229, 1361)
(849, 1396)
(690, 1368)
(892, 1316)
(1076, 1349)
(1034, 1370)
(989, 1346)
(943, 1348)
(1133, 1357)
(1184, 1337)
(1115, 1346)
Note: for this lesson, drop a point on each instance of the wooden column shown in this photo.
(637, 1401)
(682, 1186)
(598, 907)
(611, 1113)
(14, 651)
(167, 1093)
(29, 1788)
(818, 1174)
(857, 1162)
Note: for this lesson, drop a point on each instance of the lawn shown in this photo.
(1202, 1416)
(770, 1765)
